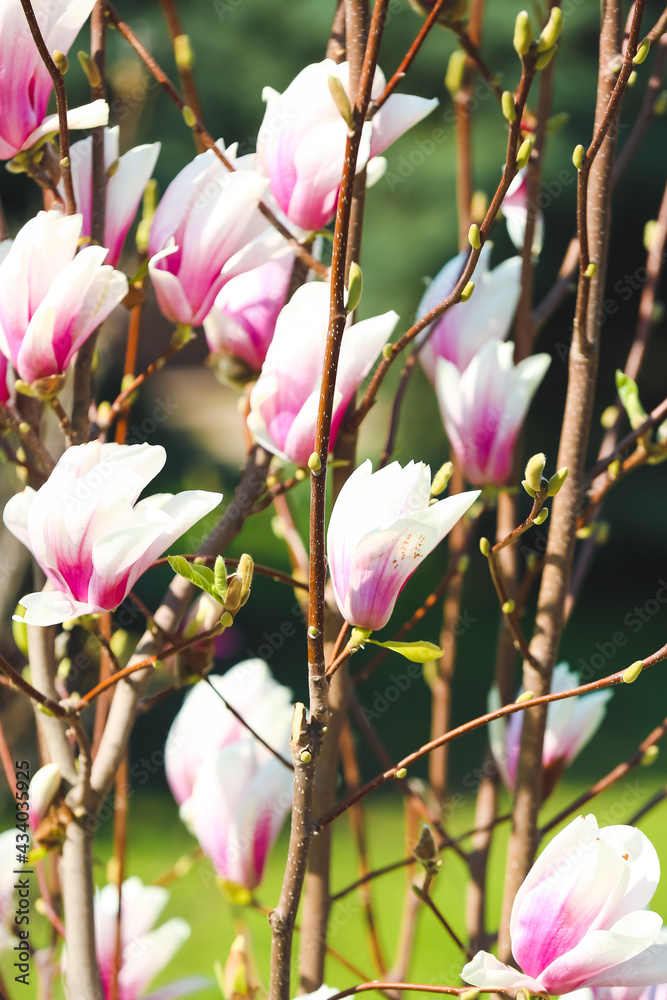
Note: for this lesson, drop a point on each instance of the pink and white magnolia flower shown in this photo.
(50, 299)
(284, 400)
(238, 804)
(205, 725)
(88, 533)
(205, 231)
(571, 725)
(25, 84)
(514, 208)
(381, 528)
(484, 407)
(655, 992)
(459, 334)
(124, 190)
(579, 918)
(301, 141)
(243, 317)
(145, 951)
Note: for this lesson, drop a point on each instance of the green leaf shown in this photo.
(201, 576)
(220, 578)
(418, 652)
(629, 396)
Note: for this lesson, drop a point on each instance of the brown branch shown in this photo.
(391, 773)
(183, 65)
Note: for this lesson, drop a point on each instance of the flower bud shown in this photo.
(524, 151)
(551, 31)
(509, 607)
(441, 479)
(315, 463)
(541, 517)
(426, 849)
(60, 59)
(556, 481)
(245, 570)
(544, 58)
(467, 291)
(631, 674)
(474, 237)
(523, 33)
(355, 286)
(341, 100)
(189, 117)
(43, 789)
(401, 773)
(455, 70)
(183, 53)
(91, 69)
(578, 156)
(650, 755)
(485, 546)
(508, 106)
(234, 593)
(525, 696)
(591, 270)
(534, 470)
(642, 52)
(557, 121)
(660, 105)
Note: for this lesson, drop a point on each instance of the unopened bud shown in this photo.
(591, 270)
(426, 849)
(474, 237)
(64, 163)
(388, 352)
(234, 593)
(313, 633)
(478, 206)
(508, 106)
(614, 468)
(660, 104)
(551, 31)
(305, 756)
(525, 149)
(226, 619)
(609, 417)
(524, 696)
(455, 70)
(441, 479)
(557, 121)
(632, 79)
(642, 51)
(401, 773)
(189, 117)
(544, 58)
(60, 59)
(650, 229)
(523, 33)
(355, 286)
(463, 564)
(633, 671)
(469, 995)
(467, 291)
(650, 755)
(578, 156)
(245, 570)
(90, 68)
(534, 470)
(183, 53)
(341, 99)
(556, 481)
(585, 532)
(509, 607)
(315, 463)
(485, 546)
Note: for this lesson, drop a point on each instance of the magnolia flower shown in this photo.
(43, 789)
(243, 317)
(381, 528)
(515, 211)
(25, 84)
(656, 992)
(145, 951)
(88, 533)
(205, 725)
(301, 141)
(571, 725)
(579, 917)
(50, 299)
(127, 176)
(206, 230)
(239, 801)
(458, 335)
(484, 407)
(284, 400)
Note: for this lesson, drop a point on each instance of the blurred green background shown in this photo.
(410, 231)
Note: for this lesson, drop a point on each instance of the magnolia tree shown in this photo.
(263, 251)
